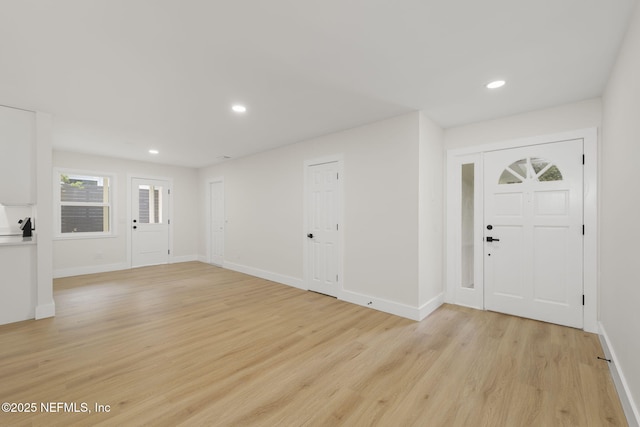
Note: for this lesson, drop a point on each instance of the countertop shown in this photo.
(17, 240)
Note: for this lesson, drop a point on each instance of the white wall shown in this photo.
(9, 216)
(431, 208)
(45, 305)
(264, 208)
(620, 204)
(579, 115)
(80, 256)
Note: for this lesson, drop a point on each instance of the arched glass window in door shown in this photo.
(530, 169)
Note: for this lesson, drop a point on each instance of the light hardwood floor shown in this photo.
(191, 344)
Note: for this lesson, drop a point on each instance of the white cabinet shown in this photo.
(17, 156)
(17, 283)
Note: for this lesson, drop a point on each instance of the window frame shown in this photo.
(58, 204)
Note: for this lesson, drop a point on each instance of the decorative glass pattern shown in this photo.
(530, 169)
(509, 178)
(520, 168)
(551, 174)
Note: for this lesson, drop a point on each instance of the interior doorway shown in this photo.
(322, 233)
(517, 212)
(533, 232)
(149, 221)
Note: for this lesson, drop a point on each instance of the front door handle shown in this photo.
(310, 236)
(491, 239)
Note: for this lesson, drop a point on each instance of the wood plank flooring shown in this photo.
(195, 345)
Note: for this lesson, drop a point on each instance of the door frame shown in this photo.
(208, 228)
(474, 154)
(130, 178)
(337, 158)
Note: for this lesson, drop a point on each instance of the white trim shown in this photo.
(44, 215)
(339, 159)
(89, 269)
(468, 297)
(45, 310)
(202, 258)
(86, 235)
(526, 141)
(207, 228)
(430, 306)
(591, 268)
(107, 268)
(392, 307)
(182, 258)
(380, 304)
(267, 275)
(590, 211)
(622, 386)
(57, 203)
(128, 224)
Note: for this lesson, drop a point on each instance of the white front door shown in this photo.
(322, 228)
(533, 232)
(150, 222)
(217, 223)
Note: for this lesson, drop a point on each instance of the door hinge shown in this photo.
(582, 299)
(168, 191)
(336, 277)
(583, 159)
(583, 229)
(168, 221)
(337, 175)
(168, 251)
(336, 226)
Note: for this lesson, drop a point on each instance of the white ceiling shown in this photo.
(124, 76)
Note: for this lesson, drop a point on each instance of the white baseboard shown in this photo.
(267, 275)
(45, 310)
(430, 306)
(90, 269)
(203, 258)
(629, 406)
(183, 258)
(392, 307)
(105, 268)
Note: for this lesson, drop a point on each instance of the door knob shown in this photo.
(491, 239)
(310, 236)
(135, 226)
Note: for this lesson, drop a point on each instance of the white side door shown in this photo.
(217, 223)
(322, 235)
(150, 222)
(533, 232)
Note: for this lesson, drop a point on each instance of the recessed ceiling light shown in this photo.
(495, 84)
(153, 151)
(239, 108)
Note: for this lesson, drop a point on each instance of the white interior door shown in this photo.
(533, 232)
(322, 222)
(217, 222)
(150, 222)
